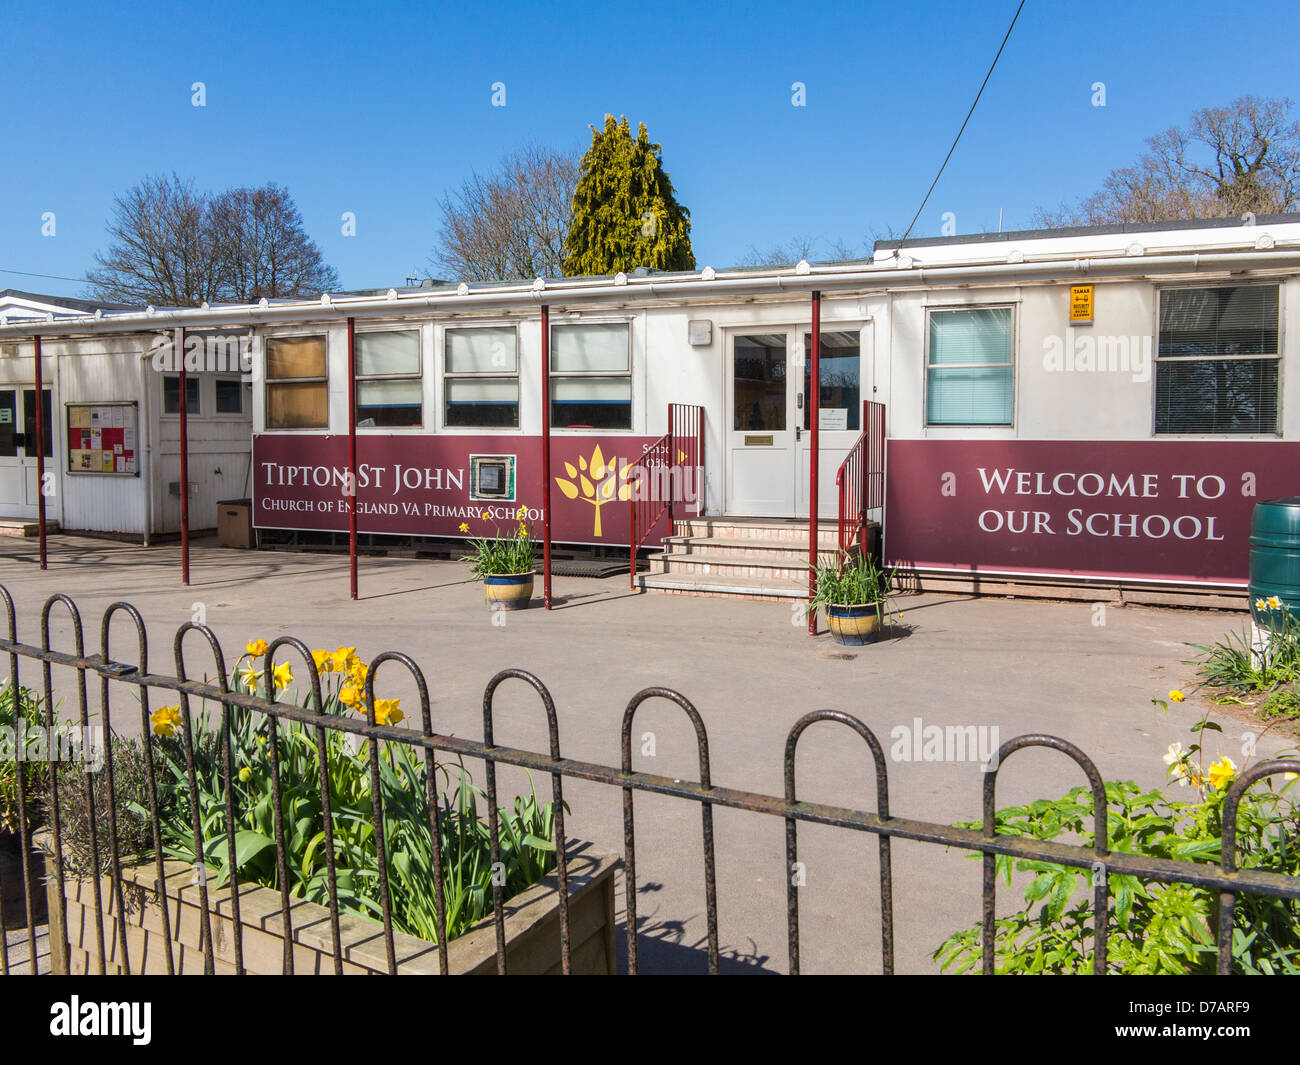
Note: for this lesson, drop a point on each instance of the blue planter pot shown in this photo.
(853, 625)
(514, 591)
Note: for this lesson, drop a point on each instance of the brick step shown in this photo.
(722, 587)
(744, 547)
(25, 527)
(730, 568)
(771, 531)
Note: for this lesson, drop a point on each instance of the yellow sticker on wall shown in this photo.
(1080, 304)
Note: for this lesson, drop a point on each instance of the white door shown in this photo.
(762, 424)
(18, 487)
(840, 357)
(769, 378)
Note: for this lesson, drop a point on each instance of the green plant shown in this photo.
(851, 580)
(18, 718)
(1235, 665)
(1153, 927)
(499, 555)
(1283, 703)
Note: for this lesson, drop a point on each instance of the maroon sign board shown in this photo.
(1176, 511)
(453, 486)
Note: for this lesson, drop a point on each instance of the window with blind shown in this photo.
(969, 372)
(481, 377)
(1217, 360)
(591, 376)
(297, 394)
(390, 389)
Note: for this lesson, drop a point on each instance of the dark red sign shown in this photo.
(1164, 510)
(458, 486)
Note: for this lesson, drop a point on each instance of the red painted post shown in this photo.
(185, 460)
(352, 454)
(672, 465)
(546, 456)
(699, 463)
(38, 381)
(863, 497)
(814, 415)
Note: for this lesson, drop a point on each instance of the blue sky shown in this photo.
(379, 110)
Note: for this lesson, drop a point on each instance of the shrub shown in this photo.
(852, 580)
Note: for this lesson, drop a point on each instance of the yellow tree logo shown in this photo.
(598, 482)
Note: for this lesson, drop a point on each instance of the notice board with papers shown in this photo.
(103, 438)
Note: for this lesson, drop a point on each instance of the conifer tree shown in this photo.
(624, 212)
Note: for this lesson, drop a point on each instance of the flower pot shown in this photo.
(514, 591)
(853, 625)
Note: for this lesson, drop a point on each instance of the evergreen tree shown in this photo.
(624, 211)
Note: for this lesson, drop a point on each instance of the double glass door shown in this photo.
(18, 486)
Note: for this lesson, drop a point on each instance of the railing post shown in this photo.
(813, 403)
(352, 455)
(184, 458)
(39, 383)
(546, 456)
(672, 465)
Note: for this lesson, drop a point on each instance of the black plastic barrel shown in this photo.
(1275, 556)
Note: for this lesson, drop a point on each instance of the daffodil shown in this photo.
(350, 696)
(386, 712)
(344, 658)
(245, 775)
(483, 516)
(249, 676)
(1176, 696)
(1221, 772)
(256, 648)
(357, 673)
(464, 526)
(166, 720)
(324, 661)
(282, 675)
(1261, 604)
(1274, 603)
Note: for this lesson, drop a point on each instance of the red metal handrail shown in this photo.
(860, 480)
(669, 472)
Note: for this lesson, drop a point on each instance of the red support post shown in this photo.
(672, 465)
(38, 381)
(185, 459)
(546, 456)
(353, 483)
(814, 416)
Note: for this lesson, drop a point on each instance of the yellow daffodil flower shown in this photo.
(256, 648)
(282, 675)
(1221, 772)
(357, 673)
(166, 720)
(1274, 603)
(344, 658)
(386, 712)
(249, 677)
(1176, 696)
(464, 526)
(245, 775)
(324, 661)
(1260, 604)
(350, 696)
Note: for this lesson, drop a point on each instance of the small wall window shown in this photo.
(172, 394)
(297, 396)
(481, 377)
(229, 395)
(591, 376)
(390, 389)
(1217, 360)
(969, 373)
(840, 400)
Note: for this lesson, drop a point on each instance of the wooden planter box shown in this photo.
(532, 927)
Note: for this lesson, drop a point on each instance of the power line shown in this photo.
(51, 277)
(963, 126)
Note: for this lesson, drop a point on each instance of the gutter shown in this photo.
(706, 287)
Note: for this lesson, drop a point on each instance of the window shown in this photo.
(1217, 360)
(481, 379)
(229, 395)
(591, 376)
(296, 393)
(758, 383)
(841, 391)
(390, 389)
(968, 367)
(172, 394)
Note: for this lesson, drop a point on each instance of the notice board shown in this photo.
(103, 438)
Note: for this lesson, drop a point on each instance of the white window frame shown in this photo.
(418, 377)
(486, 375)
(578, 374)
(323, 333)
(1013, 343)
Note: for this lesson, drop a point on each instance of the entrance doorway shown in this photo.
(768, 437)
(18, 487)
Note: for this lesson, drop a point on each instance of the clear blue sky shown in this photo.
(378, 111)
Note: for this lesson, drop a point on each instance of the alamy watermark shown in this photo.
(1087, 352)
(204, 353)
(919, 742)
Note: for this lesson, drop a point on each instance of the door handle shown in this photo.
(798, 433)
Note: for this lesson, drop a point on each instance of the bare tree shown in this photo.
(799, 248)
(163, 249)
(1233, 160)
(264, 248)
(173, 246)
(509, 224)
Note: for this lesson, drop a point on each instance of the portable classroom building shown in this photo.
(1068, 409)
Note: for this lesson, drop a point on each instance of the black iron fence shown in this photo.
(107, 895)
